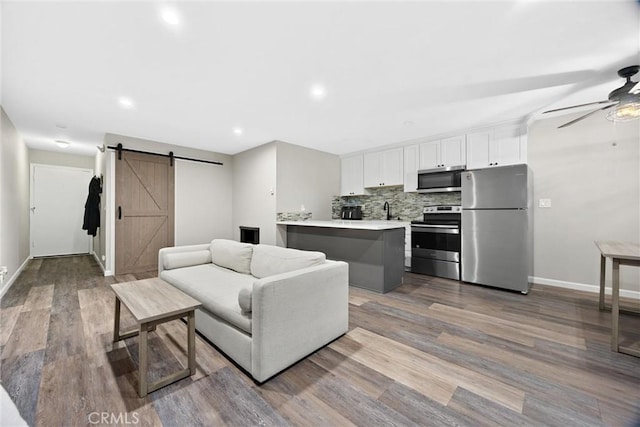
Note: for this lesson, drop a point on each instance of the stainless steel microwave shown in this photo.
(440, 180)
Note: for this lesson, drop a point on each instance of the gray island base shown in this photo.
(375, 256)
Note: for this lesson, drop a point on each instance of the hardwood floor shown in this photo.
(434, 352)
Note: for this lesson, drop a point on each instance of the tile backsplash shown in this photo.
(406, 206)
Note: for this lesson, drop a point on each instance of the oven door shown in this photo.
(436, 241)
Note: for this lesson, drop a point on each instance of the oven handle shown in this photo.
(448, 229)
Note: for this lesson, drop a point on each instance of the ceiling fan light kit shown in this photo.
(625, 112)
(625, 100)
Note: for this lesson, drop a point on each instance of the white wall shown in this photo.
(591, 173)
(306, 177)
(14, 200)
(203, 202)
(61, 159)
(254, 189)
(99, 241)
(203, 194)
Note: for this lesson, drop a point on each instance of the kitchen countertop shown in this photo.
(359, 225)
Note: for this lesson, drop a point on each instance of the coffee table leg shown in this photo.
(142, 362)
(191, 349)
(116, 322)
(603, 261)
(615, 308)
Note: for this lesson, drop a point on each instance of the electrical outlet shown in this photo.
(544, 203)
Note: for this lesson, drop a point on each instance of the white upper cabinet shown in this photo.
(429, 155)
(411, 166)
(383, 168)
(497, 147)
(351, 180)
(443, 153)
(453, 151)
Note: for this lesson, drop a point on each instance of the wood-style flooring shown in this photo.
(431, 353)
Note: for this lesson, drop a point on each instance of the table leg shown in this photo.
(615, 308)
(603, 263)
(142, 360)
(191, 344)
(116, 322)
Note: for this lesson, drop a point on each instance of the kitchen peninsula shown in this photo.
(373, 249)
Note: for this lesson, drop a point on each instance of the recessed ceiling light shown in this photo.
(125, 102)
(318, 91)
(170, 16)
(62, 144)
(237, 131)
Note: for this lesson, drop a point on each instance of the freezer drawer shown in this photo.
(495, 249)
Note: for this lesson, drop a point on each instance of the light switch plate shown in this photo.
(544, 203)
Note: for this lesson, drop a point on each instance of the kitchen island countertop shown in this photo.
(358, 225)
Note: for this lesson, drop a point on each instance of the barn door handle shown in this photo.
(119, 212)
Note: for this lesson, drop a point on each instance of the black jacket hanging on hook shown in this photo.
(92, 207)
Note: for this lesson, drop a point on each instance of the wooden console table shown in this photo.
(621, 253)
(152, 302)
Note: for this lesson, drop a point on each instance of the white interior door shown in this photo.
(58, 195)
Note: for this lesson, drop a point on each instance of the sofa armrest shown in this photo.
(179, 249)
(296, 313)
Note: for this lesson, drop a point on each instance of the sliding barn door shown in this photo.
(144, 211)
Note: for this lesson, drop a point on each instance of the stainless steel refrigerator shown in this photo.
(497, 238)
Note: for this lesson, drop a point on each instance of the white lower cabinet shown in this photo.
(407, 246)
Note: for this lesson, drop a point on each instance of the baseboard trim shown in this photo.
(104, 272)
(95, 255)
(6, 285)
(582, 287)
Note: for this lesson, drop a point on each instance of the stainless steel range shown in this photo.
(436, 242)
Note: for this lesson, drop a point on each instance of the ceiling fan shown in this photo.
(625, 100)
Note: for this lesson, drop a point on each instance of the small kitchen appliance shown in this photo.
(351, 212)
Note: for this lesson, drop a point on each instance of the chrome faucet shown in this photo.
(387, 208)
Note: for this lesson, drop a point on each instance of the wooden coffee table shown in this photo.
(152, 302)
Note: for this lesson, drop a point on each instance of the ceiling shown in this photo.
(391, 71)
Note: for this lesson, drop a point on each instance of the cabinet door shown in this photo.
(373, 169)
(351, 182)
(478, 150)
(505, 147)
(411, 164)
(392, 167)
(452, 151)
(429, 155)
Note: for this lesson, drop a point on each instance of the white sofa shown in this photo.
(265, 306)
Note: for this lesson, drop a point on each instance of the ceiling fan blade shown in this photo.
(585, 116)
(576, 106)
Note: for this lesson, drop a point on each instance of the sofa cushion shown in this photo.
(186, 259)
(270, 260)
(216, 288)
(232, 254)
(244, 300)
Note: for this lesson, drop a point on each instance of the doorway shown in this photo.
(58, 195)
(144, 209)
